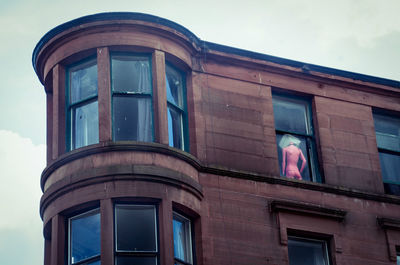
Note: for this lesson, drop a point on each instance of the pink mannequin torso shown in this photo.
(290, 157)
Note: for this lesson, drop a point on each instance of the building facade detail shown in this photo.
(166, 149)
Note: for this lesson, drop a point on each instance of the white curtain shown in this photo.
(144, 132)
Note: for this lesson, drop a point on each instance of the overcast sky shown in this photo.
(361, 36)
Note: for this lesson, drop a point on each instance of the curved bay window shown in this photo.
(84, 238)
(182, 240)
(295, 138)
(176, 104)
(131, 84)
(136, 239)
(82, 106)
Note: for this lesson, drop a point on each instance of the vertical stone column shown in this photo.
(58, 145)
(159, 98)
(104, 94)
(57, 240)
(107, 231)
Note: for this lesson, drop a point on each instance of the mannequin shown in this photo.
(290, 157)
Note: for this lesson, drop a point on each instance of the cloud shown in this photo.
(21, 163)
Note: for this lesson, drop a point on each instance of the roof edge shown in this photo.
(302, 65)
(205, 45)
(104, 17)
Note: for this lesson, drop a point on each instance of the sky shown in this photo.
(361, 36)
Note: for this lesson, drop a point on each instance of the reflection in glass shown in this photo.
(290, 116)
(132, 119)
(182, 239)
(295, 149)
(307, 252)
(124, 260)
(390, 165)
(174, 86)
(175, 132)
(131, 74)
(387, 132)
(176, 111)
(83, 82)
(84, 237)
(135, 228)
(85, 125)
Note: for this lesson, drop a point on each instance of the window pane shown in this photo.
(97, 262)
(290, 116)
(84, 237)
(307, 252)
(387, 132)
(136, 228)
(175, 132)
(132, 119)
(390, 165)
(85, 125)
(295, 149)
(83, 81)
(136, 261)
(182, 238)
(131, 74)
(174, 86)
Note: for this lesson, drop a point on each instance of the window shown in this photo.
(84, 238)
(295, 138)
(182, 240)
(136, 234)
(387, 130)
(304, 251)
(131, 84)
(175, 83)
(82, 107)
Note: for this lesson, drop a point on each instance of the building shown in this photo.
(163, 148)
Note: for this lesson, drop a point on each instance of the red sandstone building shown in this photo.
(163, 148)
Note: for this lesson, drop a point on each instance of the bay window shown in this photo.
(175, 84)
(82, 106)
(136, 239)
(131, 85)
(182, 240)
(127, 101)
(84, 238)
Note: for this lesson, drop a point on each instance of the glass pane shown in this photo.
(84, 237)
(136, 228)
(83, 81)
(97, 262)
(387, 132)
(182, 239)
(132, 119)
(175, 132)
(290, 115)
(292, 154)
(174, 86)
(85, 125)
(131, 74)
(307, 252)
(390, 165)
(136, 261)
(398, 259)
